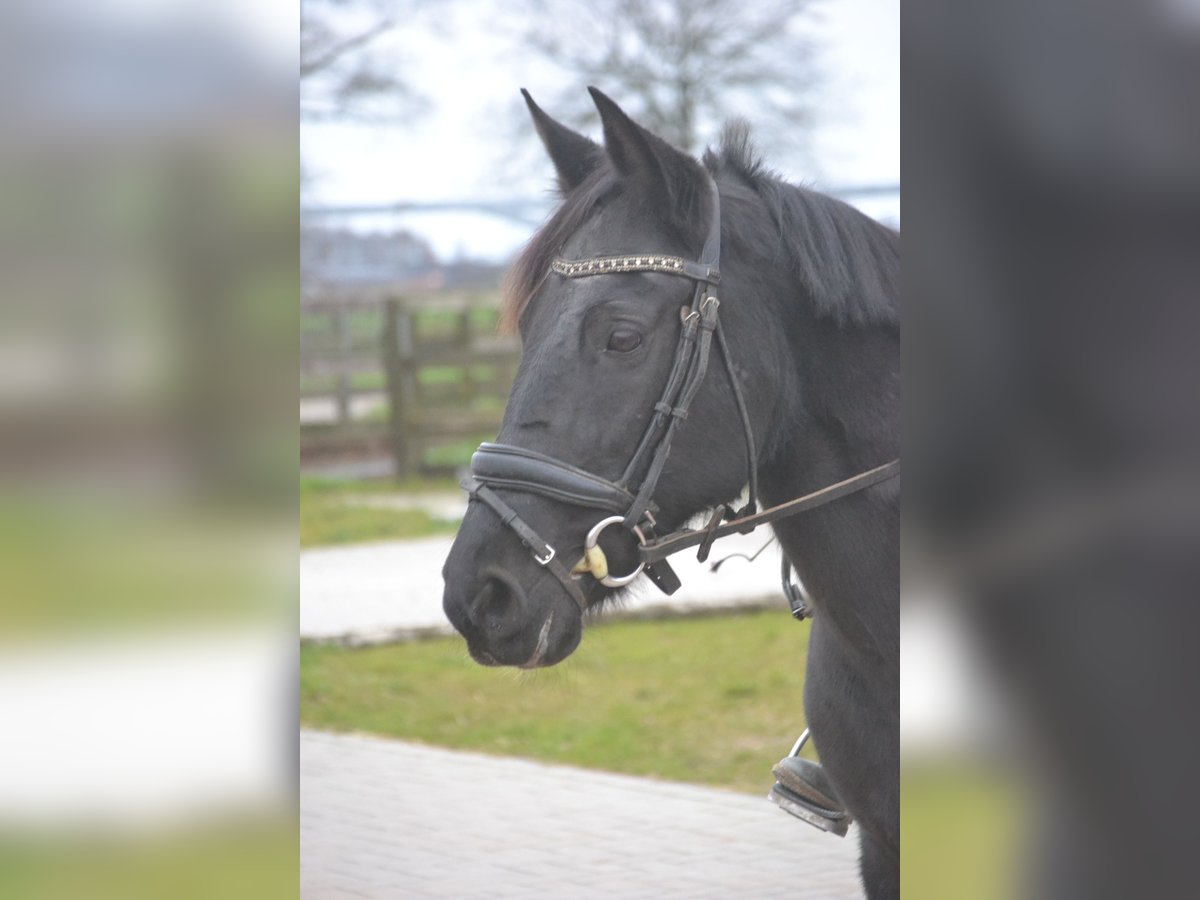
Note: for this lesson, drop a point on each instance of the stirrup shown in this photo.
(803, 789)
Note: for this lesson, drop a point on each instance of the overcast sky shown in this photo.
(471, 77)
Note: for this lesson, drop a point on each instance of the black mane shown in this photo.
(847, 263)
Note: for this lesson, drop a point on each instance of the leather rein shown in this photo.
(505, 467)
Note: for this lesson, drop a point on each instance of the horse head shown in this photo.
(592, 403)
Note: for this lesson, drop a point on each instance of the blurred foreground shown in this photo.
(1052, 177)
(148, 461)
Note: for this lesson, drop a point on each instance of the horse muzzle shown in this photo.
(508, 620)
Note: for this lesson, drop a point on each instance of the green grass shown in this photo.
(959, 834)
(427, 376)
(322, 385)
(456, 455)
(332, 511)
(256, 861)
(366, 324)
(77, 564)
(326, 520)
(312, 485)
(714, 700)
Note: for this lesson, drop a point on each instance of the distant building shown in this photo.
(342, 256)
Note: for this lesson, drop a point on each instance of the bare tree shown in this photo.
(681, 67)
(345, 72)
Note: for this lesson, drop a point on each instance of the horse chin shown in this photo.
(556, 638)
(543, 656)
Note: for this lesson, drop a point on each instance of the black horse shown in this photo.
(809, 302)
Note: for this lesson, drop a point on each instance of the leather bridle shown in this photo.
(628, 501)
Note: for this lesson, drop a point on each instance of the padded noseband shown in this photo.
(504, 466)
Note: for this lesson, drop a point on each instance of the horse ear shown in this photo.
(640, 155)
(574, 156)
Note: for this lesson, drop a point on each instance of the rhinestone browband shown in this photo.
(602, 264)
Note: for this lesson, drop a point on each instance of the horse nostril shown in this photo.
(498, 605)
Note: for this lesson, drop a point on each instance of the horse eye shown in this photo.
(624, 341)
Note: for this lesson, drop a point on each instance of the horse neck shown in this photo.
(842, 419)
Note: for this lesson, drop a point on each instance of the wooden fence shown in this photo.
(432, 366)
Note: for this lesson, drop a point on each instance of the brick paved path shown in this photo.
(383, 818)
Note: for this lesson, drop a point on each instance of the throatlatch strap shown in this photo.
(751, 450)
(653, 551)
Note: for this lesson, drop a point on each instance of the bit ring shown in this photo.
(594, 535)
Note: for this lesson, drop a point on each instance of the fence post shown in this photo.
(466, 386)
(399, 367)
(341, 337)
